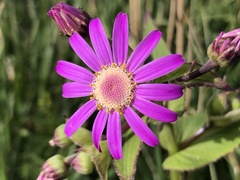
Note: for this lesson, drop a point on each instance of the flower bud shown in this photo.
(60, 139)
(54, 168)
(70, 19)
(82, 137)
(82, 163)
(225, 48)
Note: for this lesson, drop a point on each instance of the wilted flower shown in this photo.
(70, 19)
(54, 168)
(118, 84)
(225, 48)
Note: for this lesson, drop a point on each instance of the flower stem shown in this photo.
(208, 66)
(213, 172)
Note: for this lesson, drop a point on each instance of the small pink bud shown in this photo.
(225, 48)
(60, 139)
(53, 169)
(82, 163)
(70, 19)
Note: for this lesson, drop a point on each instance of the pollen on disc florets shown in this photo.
(113, 88)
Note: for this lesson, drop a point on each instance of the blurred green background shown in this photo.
(31, 105)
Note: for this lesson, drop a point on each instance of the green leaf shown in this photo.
(212, 145)
(176, 105)
(175, 74)
(100, 160)
(126, 167)
(227, 118)
(186, 127)
(167, 139)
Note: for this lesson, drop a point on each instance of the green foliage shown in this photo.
(101, 160)
(214, 144)
(186, 127)
(126, 167)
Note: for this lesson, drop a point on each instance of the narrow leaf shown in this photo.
(101, 160)
(177, 105)
(186, 127)
(211, 146)
(126, 167)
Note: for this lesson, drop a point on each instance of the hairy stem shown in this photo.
(208, 66)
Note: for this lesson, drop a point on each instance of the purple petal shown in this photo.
(41, 176)
(74, 89)
(120, 39)
(98, 127)
(140, 128)
(159, 67)
(84, 51)
(114, 135)
(143, 50)
(100, 42)
(159, 92)
(153, 110)
(233, 33)
(79, 117)
(74, 72)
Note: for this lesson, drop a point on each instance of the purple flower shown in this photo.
(119, 84)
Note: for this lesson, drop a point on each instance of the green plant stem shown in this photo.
(201, 98)
(158, 155)
(172, 149)
(213, 172)
(234, 164)
(172, 145)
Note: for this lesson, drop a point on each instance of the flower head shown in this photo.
(118, 84)
(70, 19)
(225, 48)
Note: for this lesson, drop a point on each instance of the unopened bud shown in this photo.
(70, 19)
(54, 168)
(225, 48)
(82, 163)
(60, 139)
(82, 137)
